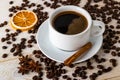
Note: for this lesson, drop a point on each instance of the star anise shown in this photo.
(27, 64)
(24, 59)
(35, 66)
(23, 70)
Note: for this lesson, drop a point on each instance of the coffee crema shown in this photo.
(70, 22)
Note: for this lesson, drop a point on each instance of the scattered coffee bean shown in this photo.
(106, 51)
(12, 49)
(13, 39)
(4, 47)
(3, 39)
(35, 77)
(69, 78)
(118, 54)
(65, 76)
(100, 72)
(18, 31)
(8, 42)
(113, 53)
(29, 46)
(107, 69)
(10, 15)
(7, 30)
(29, 31)
(74, 74)
(100, 66)
(55, 78)
(113, 62)
(93, 76)
(5, 55)
(118, 27)
(11, 2)
(5, 22)
(15, 54)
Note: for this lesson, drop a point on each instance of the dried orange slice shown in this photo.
(23, 20)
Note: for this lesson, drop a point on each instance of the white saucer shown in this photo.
(59, 55)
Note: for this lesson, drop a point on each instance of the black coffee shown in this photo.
(69, 22)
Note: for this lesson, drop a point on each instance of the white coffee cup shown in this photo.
(74, 41)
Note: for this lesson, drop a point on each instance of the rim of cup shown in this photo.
(75, 8)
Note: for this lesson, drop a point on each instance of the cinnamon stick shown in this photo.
(82, 50)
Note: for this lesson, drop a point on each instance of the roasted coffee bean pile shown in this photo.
(58, 71)
(57, 3)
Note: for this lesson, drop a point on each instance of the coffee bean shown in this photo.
(23, 39)
(8, 42)
(84, 77)
(82, 73)
(93, 76)
(4, 47)
(10, 15)
(100, 66)
(107, 69)
(90, 67)
(113, 62)
(29, 46)
(118, 54)
(83, 67)
(15, 54)
(117, 48)
(118, 27)
(71, 65)
(107, 51)
(12, 49)
(3, 39)
(37, 56)
(18, 31)
(13, 39)
(113, 53)
(89, 63)
(5, 22)
(7, 30)
(40, 74)
(99, 72)
(64, 71)
(41, 59)
(11, 2)
(65, 76)
(111, 26)
(29, 31)
(38, 5)
(50, 75)
(116, 37)
(74, 74)
(61, 66)
(102, 59)
(55, 78)
(95, 56)
(69, 78)
(4, 55)
(35, 77)
(14, 45)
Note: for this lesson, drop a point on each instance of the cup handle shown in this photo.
(98, 28)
